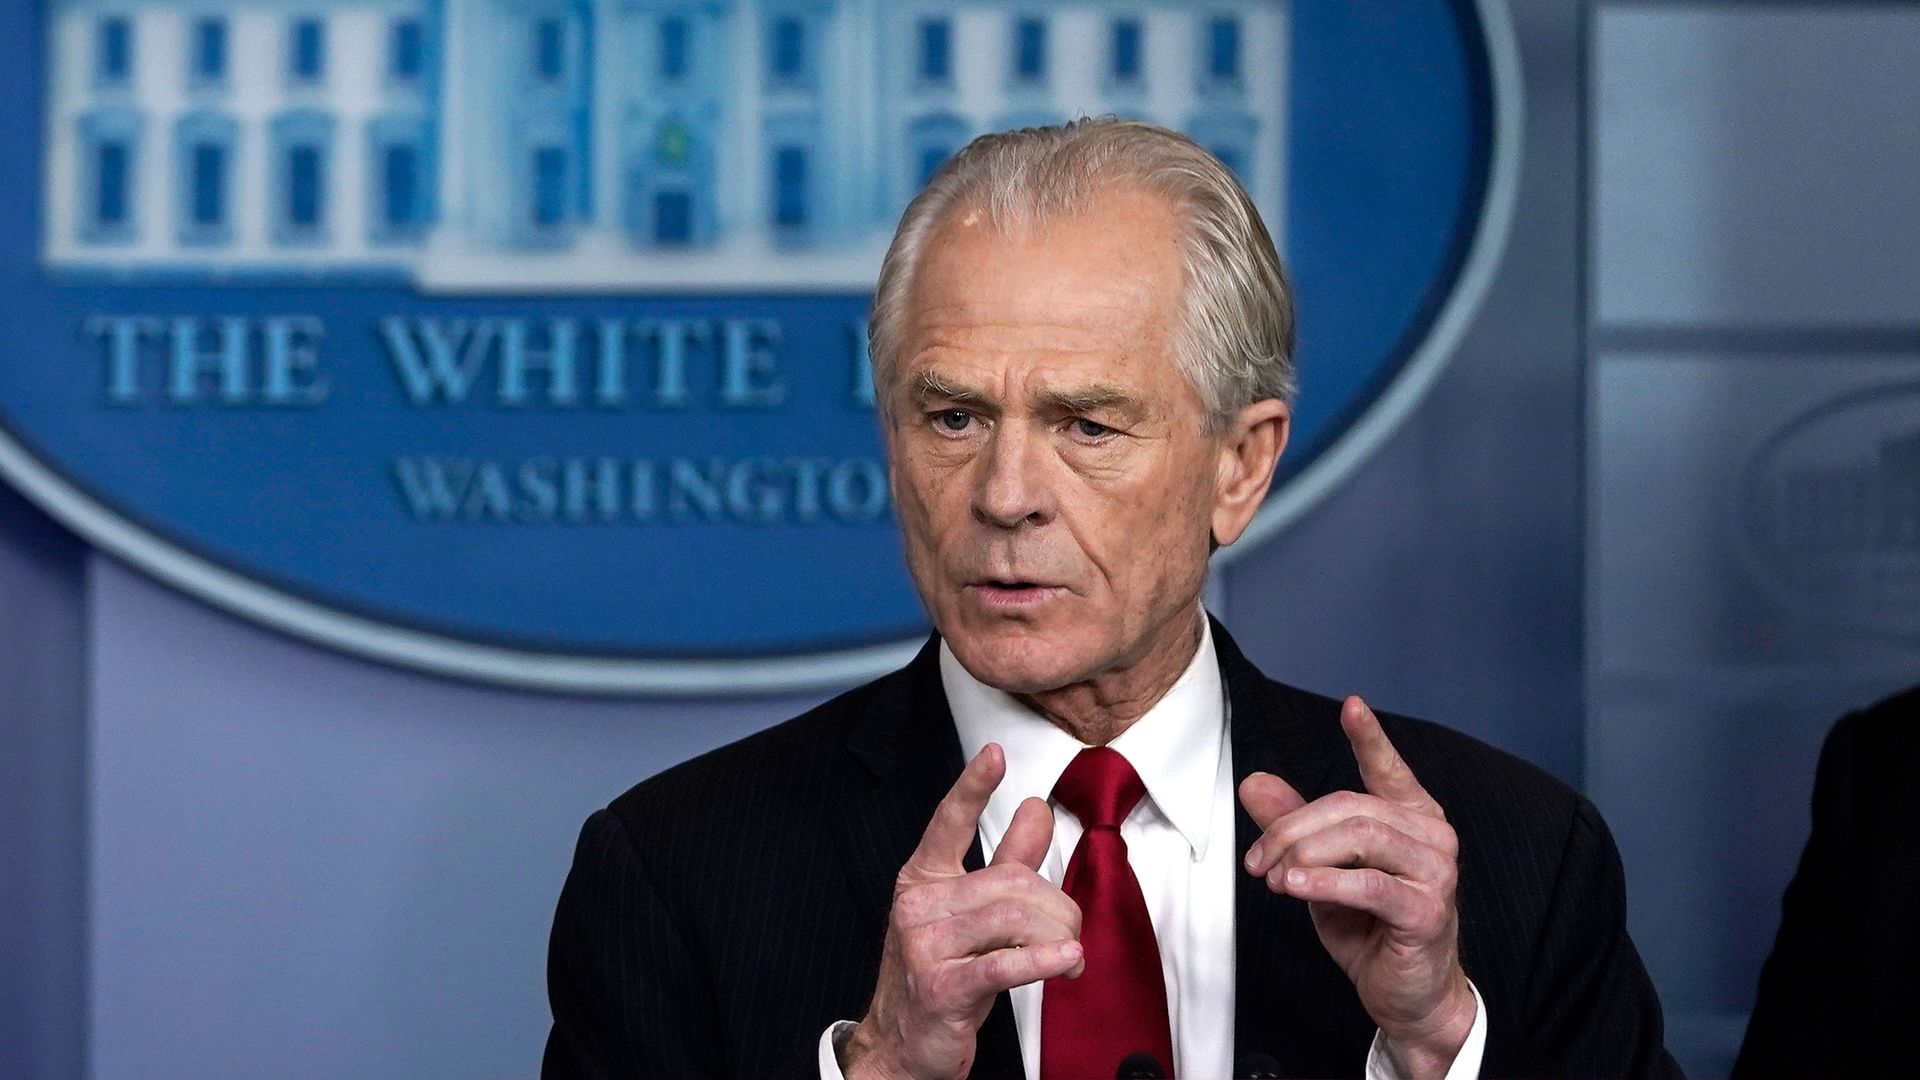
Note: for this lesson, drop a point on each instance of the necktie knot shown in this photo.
(1099, 788)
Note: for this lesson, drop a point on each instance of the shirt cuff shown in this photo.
(838, 1031)
(1382, 1066)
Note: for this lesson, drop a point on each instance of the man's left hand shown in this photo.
(1377, 871)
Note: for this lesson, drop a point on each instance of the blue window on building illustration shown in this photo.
(209, 185)
(407, 48)
(549, 50)
(209, 61)
(668, 180)
(790, 201)
(936, 51)
(1030, 50)
(673, 48)
(113, 62)
(298, 196)
(931, 158)
(549, 187)
(109, 145)
(1223, 50)
(305, 187)
(787, 50)
(932, 139)
(673, 218)
(307, 51)
(1228, 134)
(112, 174)
(399, 189)
(1126, 51)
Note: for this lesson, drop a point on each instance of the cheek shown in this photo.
(1166, 490)
(920, 544)
(1150, 532)
(924, 487)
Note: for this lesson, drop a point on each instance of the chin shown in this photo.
(1016, 659)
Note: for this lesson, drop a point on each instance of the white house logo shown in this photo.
(1830, 512)
(641, 145)
(523, 339)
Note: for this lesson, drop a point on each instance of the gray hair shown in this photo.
(1235, 338)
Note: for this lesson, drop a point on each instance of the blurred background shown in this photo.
(1654, 524)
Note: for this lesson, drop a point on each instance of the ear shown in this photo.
(1247, 453)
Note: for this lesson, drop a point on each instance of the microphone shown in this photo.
(1256, 1066)
(1140, 1066)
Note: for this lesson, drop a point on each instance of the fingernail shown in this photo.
(1072, 950)
(1296, 878)
(1254, 858)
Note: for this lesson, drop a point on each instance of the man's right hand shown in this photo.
(956, 940)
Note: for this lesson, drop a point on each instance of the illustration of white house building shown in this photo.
(493, 145)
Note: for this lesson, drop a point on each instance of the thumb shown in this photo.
(1267, 797)
(1028, 835)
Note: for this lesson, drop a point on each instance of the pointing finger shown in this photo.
(1027, 836)
(943, 847)
(1382, 769)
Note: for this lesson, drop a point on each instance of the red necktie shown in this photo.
(1118, 1006)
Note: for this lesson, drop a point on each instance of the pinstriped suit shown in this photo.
(720, 915)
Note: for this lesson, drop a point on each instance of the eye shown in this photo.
(1088, 429)
(955, 420)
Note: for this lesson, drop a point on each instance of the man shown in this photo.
(1837, 992)
(1153, 861)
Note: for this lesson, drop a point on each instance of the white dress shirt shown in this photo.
(1180, 843)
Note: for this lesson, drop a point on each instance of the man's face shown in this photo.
(1053, 480)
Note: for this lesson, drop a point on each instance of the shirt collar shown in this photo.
(1175, 747)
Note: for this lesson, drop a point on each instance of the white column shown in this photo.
(70, 65)
(160, 73)
(455, 128)
(612, 87)
(744, 119)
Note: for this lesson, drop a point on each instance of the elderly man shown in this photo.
(1081, 835)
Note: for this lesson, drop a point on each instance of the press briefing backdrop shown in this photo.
(435, 415)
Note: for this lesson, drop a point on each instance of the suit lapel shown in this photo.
(1286, 988)
(909, 753)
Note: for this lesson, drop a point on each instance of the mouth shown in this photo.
(1012, 593)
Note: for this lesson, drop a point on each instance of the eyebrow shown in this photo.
(1093, 399)
(929, 384)
(932, 385)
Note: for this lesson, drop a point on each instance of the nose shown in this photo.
(1013, 488)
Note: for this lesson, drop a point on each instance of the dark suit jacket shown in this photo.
(720, 915)
(1838, 992)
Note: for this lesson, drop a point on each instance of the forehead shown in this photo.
(1102, 286)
